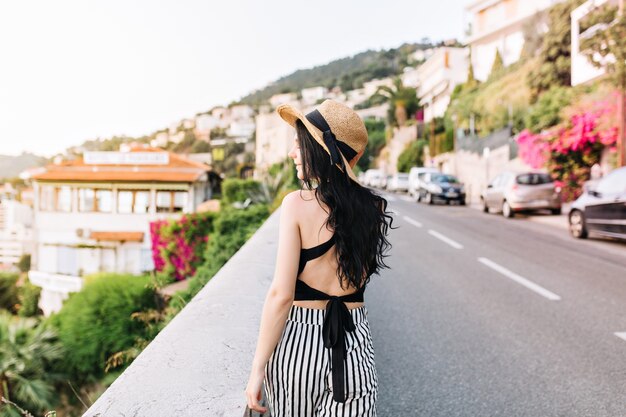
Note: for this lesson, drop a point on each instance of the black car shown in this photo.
(439, 186)
(601, 209)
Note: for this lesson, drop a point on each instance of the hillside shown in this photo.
(11, 166)
(347, 73)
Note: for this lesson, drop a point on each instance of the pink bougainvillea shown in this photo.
(178, 244)
(569, 150)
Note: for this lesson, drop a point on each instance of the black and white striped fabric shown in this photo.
(298, 381)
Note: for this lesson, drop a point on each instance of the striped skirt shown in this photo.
(298, 380)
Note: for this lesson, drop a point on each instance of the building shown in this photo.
(285, 98)
(438, 76)
(92, 214)
(16, 227)
(370, 87)
(312, 95)
(498, 25)
(582, 70)
(274, 138)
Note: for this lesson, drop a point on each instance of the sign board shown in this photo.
(126, 158)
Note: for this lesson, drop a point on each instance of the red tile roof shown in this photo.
(178, 169)
(118, 236)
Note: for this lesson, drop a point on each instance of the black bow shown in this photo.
(333, 144)
(337, 321)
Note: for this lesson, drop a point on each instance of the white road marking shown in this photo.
(413, 222)
(621, 335)
(520, 280)
(446, 239)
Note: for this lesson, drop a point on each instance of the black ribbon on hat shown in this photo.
(337, 321)
(333, 144)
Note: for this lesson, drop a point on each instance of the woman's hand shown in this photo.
(253, 391)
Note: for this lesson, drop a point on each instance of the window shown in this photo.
(104, 202)
(85, 199)
(125, 202)
(46, 198)
(534, 179)
(171, 201)
(613, 183)
(94, 200)
(63, 199)
(133, 201)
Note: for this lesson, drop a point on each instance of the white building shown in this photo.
(438, 76)
(93, 214)
(243, 128)
(160, 139)
(498, 24)
(241, 112)
(16, 230)
(370, 87)
(354, 97)
(285, 98)
(313, 95)
(274, 138)
(582, 70)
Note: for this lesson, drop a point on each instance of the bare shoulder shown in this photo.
(298, 203)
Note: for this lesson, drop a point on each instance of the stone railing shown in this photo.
(199, 364)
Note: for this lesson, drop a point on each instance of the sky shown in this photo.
(77, 70)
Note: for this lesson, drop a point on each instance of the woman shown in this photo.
(314, 354)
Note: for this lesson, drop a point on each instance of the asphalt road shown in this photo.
(485, 316)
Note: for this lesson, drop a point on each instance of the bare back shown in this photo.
(319, 273)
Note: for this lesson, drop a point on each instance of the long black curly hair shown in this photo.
(357, 214)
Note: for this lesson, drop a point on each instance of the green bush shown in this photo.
(232, 229)
(234, 189)
(546, 111)
(412, 156)
(95, 322)
(8, 291)
(28, 295)
(24, 263)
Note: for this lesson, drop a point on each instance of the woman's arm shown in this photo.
(281, 292)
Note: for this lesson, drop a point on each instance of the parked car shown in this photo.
(415, 177)
(601, 209)
(515, 191)
(398, 182)
(385, 181)
(373, 177)
(438, 186)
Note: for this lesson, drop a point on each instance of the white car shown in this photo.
(398, 182)
(415, 176)
(373, 177)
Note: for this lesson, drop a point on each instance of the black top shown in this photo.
(337, 319)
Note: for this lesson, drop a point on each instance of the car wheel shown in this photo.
(556, 211)
(507, 211)
(485, 206)
(418, 197)
(462, 202)
(428, 198)
(577, 226)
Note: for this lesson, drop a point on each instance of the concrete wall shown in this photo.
(199, 364)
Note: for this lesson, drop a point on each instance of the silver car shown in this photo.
(601, 209)
(513, 191)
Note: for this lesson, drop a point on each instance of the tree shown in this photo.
(402, 100)
(27, 350)
(554, 66)
(412, 156)
(533, 36)
(608, 41)
(497, 65)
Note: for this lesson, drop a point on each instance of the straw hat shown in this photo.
(337, 128)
